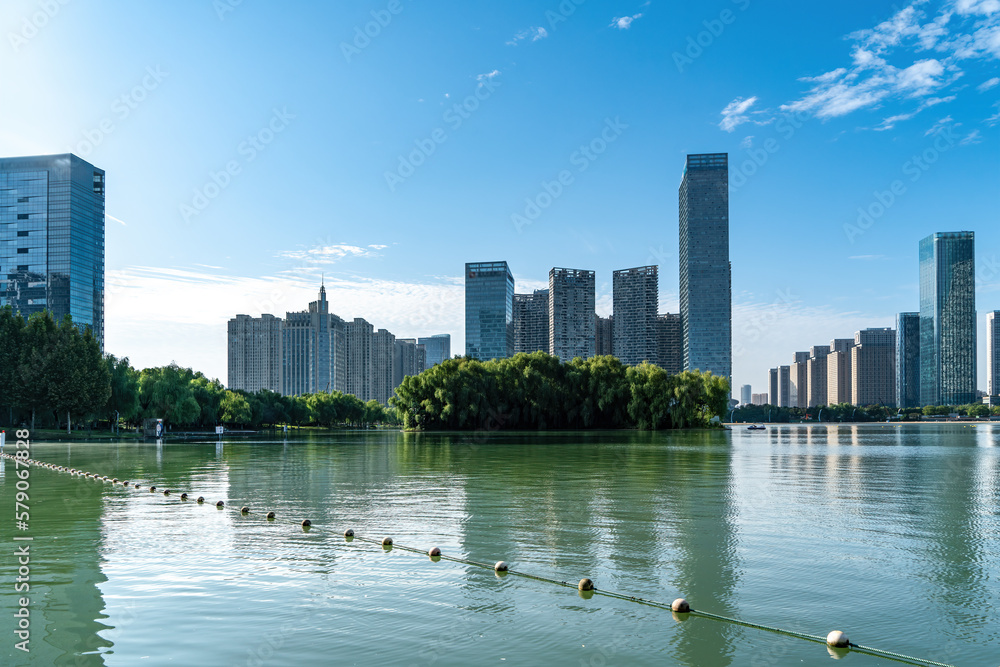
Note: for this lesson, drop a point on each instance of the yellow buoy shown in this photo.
(349, 533)
(270, 515)
(152, 489)
(586, 585)
(244, 510)
(306, 523)
(184, 496)
(386, 541)
(201, 499)
(220, 504)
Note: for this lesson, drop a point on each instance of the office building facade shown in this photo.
(838, 371)
(948, 319)
(603, 335)
(408, 358)
(993, 353)
(489, 310)
(438, 348)
(52, 238)
(784, 387)
(705, 270)
(798, 381)
(772, 385)
(746, 395)
(531, 322)
(313, 350)
(908, 360)
(816, 375)
(669, 343)
(635, 293)
(571, 313)
(254, 353)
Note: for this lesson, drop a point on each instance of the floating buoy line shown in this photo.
(681, 609)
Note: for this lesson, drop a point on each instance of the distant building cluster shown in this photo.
(315, 351)
(928, 359)
(562, 319)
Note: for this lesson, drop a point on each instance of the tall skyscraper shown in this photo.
(908, 360)
(489, 310)
(603, 335)
(383, 350)
(313, 350)
(254, 353)
(705, 270)
(948, 318)
(746, 395)
(772, 385)
(873, 366)
(361, 355)
(52, 238)
(993, 353)
(636, 300)
(531, 322)
(669, 343)
(438, 348)
(571, 313)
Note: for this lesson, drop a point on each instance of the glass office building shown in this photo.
(705, 270)
(52, 238)
(438, 348)
(908, 360)
(489, 310)
(948, 318)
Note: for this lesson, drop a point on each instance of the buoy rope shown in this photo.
(239, 509)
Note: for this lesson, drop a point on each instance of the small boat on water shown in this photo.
(755, 427)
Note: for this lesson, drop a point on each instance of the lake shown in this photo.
(890, 533)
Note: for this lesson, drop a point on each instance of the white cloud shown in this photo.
(111, 217)
(734, 114)
(155, 315)
(747, 142)
(940, 125)
(973, 137)
(488, 76)
(623, 23)
(328, 254)
(989, 83)
(884, 65)
(890, 122)
(533, 33)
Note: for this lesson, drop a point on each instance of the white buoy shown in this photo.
(501, 566)
(837, 639)
(680, 605)
(435, 552)
(386, 541)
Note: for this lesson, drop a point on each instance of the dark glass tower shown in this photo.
(948, 318)
(705, 270)
(908, 360)
(52, 238)
(489, 310)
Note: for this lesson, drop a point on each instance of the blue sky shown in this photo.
(251, 147)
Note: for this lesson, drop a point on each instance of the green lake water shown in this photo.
(889, 533)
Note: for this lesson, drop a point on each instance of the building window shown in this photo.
(22, 216)
(22, 200)
(22, 267)
(22, 233)
(22, 251)
(98, 183)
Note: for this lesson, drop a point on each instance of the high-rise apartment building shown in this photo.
(603, 335)
(531, 322)
(52, 238)
(873, 362)
(438, 348)
(816, 375)
(360, 354)
(746, 395)
(669, 343)
(908, 360)
(838, 371)
(948, 318)
(408, 358)
(784, 387)
(758, 399)
(798, 381)
(705, 270)
(312, 350)
(993, 353)
(254, 353)
(636, 300)
(489, 310)
(383, 351)
(571, 313)
(772, 385)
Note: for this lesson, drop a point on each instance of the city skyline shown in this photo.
(877, 130)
